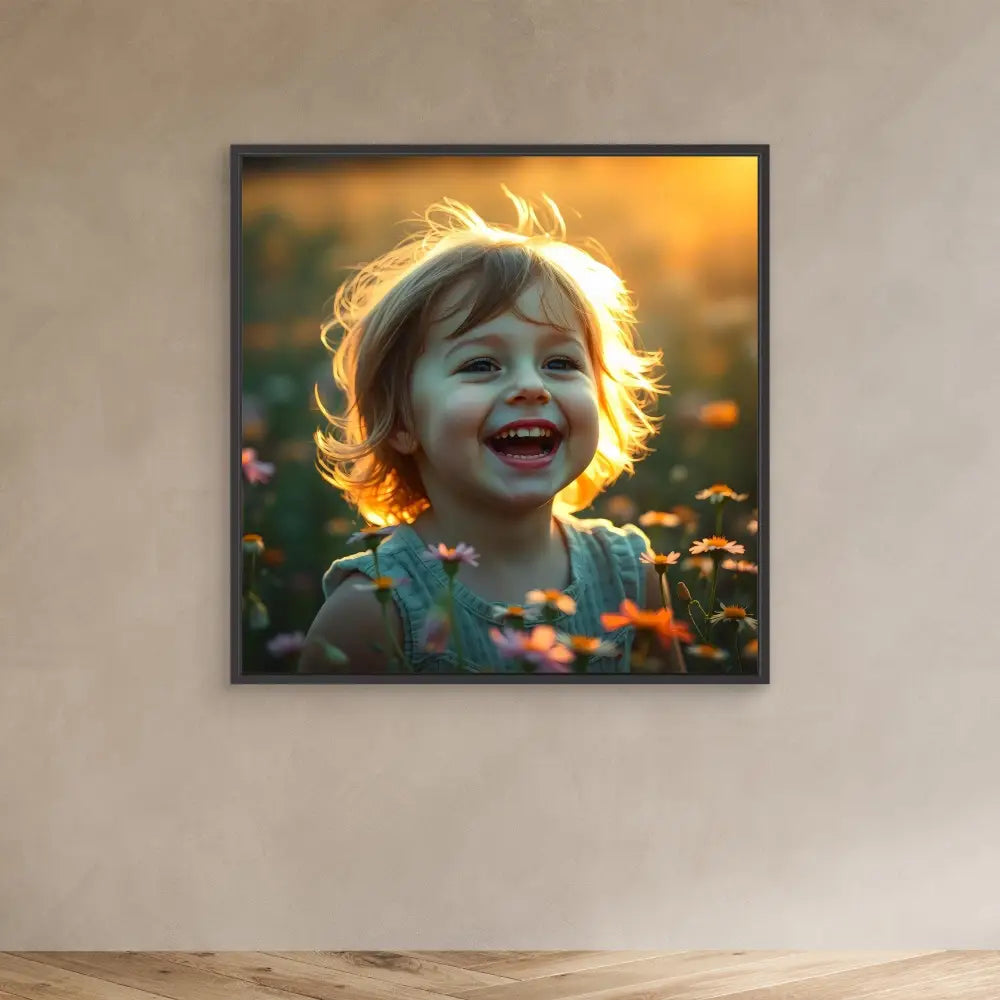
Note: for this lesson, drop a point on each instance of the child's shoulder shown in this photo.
(627, 538)
(610, 556)
(355, 625)
(392, 552)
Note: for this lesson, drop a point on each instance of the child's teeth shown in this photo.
(527, 432)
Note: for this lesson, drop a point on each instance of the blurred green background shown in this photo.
(681, 230)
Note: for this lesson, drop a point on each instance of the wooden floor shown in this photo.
(502, 975)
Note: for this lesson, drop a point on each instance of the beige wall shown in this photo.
(148, 804)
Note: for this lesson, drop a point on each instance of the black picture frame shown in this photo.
(241, 154)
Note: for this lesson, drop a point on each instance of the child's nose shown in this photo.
(529, 392)
(526, 383)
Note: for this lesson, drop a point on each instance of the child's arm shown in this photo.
(672, 657)
(351, 620)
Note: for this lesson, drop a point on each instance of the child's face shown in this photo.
(505, 375)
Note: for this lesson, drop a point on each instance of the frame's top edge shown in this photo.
(500, 149)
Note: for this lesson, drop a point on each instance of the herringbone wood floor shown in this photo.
(502, 975)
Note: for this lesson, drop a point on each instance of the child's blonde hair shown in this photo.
(386, 309)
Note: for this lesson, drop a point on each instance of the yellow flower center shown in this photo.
(383, 582)
(734, 613)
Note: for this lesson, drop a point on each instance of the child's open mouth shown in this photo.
(525, 446)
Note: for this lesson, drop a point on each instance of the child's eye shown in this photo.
(479, 365)
(566, 364)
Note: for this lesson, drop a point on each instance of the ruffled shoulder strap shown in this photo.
(617, 549)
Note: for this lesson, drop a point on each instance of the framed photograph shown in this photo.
(499, 414)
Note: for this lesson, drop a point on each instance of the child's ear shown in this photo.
(403, 441)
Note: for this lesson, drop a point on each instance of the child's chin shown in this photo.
(521, 498)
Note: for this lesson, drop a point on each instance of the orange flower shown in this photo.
(659, 519)
(382, 584)
(687, 515)
(716, 543)
(543, 649)
(501, 611)
(720, 492)
(703, 564)
(707, 652)
(739, 565)
(661, 562)
(720, 414)
(554, 599)
(587, 645)
(253, 543)
(750, 649)
(619, 507)
(516, 614)
(733, 613)
(339, 526)
(661, 622)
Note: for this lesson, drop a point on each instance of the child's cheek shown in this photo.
(465, 408)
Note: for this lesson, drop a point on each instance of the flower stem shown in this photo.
(718, 518)
(702, 635)
(459, 652)
(736, 643)
(397, 651)
(641, 655)
(715, 582)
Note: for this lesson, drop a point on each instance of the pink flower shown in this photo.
(552, 661)
(372, 535)
(285, 643)
(437, 630)
(461, 553)
(538, 647)
(255, 471)
(510, 643)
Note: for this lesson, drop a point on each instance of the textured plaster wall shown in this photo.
(148, 804)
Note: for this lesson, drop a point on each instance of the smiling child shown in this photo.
(493, 387)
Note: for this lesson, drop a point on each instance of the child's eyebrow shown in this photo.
(554, 335)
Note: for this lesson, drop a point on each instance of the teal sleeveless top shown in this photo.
(604, 570)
